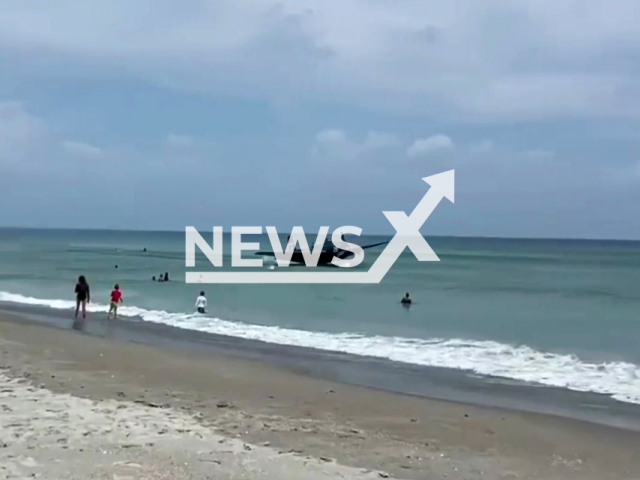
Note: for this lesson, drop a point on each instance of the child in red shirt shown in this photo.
(116, 298)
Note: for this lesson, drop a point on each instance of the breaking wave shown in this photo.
(619, 380)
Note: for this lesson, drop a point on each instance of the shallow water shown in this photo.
(557, 312)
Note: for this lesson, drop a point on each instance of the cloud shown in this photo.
(539, 154)
(81, 149)
(485, 146)
(18, 130)
(483, 60)
(334, 143)
(531, 71)
(331, 136)
(181, 141)
(426, 146)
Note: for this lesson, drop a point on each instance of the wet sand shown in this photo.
(91, 407)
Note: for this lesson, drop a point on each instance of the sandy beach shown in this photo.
(75, 405)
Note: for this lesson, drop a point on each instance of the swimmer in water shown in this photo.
(406, 300)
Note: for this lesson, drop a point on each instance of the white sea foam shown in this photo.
(620, 380)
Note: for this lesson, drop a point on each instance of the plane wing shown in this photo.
(375, 244)
(271, 254)
(344, 254)
(266, 254)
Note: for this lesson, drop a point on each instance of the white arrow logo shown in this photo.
(407, 235)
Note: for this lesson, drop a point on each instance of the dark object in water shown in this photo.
(406, 301)
(326, 256)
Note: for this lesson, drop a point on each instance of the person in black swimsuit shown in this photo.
(83, 295)
(406, 300)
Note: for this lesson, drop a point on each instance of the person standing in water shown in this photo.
(201, 303)
(116, 299)
(83, 295)
(406, 300)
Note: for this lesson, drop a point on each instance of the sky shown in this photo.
(157, 115)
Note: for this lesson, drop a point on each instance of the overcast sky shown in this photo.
(162, 114)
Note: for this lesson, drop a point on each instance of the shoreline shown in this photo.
(436, 383)
(351, 426)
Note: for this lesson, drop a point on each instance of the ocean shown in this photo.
(561, 313)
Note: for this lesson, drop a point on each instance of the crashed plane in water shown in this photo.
(329, 251)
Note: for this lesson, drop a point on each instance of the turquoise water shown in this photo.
(556, 312)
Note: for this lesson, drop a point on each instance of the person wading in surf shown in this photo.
(201, 303)
(83, 295)
(116, 299)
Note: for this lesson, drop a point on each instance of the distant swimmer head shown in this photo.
(116, 266)
(116, 287)
(82, 280)
(153, 278)
(407, 295)
(202, 294)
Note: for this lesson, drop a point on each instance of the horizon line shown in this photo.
(489, 237)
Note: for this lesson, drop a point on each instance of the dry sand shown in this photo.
(77, 406)
(59, 436)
